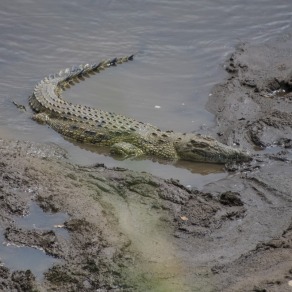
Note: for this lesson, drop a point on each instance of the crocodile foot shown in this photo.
(125, 150)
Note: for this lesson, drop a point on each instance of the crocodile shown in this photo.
(124, 136)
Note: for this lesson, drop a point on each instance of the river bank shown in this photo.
(131, 231)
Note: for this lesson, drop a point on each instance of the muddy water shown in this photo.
(17, 256)
(180, 47)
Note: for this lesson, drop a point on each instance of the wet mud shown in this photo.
(131, 231)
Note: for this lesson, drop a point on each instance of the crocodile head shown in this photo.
(198, 148)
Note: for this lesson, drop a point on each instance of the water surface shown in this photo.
(181, 46)
(20, 257)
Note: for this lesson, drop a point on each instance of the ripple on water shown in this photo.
(181, 46)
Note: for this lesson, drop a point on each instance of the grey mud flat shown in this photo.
(131, 231)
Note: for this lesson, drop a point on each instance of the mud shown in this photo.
(253, 107)
(130, 231)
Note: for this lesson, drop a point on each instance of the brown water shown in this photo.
(180, 45)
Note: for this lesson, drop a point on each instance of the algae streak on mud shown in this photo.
(140, 218)
(137, 209)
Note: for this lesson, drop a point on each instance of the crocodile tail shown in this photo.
(73, 75)
(47, 93)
